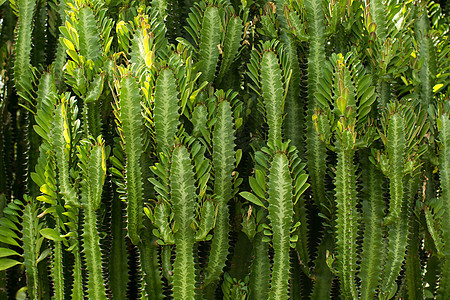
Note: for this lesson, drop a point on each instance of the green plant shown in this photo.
(221, 149)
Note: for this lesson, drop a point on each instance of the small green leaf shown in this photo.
(4, 252)
(265, 239)
(238, 156)
(8, 223)
(256, 187)
(46, 199)
(43, 255)
(51, 234)
(159, 185)
(37, 179)
(6, 263)
(8, 240)
(8, 232)
(267, 232)
(252, 198)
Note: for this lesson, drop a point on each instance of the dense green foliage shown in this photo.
(224, 149)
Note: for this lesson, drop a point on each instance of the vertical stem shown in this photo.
(346, 223)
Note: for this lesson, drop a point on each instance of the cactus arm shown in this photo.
(166, 263)
(293, 120)
(40, 45)
(148, 42)
(61, 143)
(427, 73)
(259, 283)
(166, 109)
(223, 164)
(396, 246)
(427, 52)
(60, 55)
(324, 276)
(91, 250)
(183, 199)
(22, 64)
(281, 212)
(30, 251)
(131, 118)
(413, 268)
(302, 243)
(444, 179)
(272, 92)
(77, 288)
(315, 149)
(137, 50)
(346, 222)
(57, 270)
(396, 146)
(219, 247)
(150, 265)
(88, 34)
(223, 152)
(292, 126)
(373, 212)
(231, 45)
(208, 54)
(92, 158)
(118, 274)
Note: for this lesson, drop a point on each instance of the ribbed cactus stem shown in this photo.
(396, 147)
(281, 213)
(346, 223)
(444, 178)
(183, 200)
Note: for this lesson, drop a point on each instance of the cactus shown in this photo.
(158, 149)
(128, 113)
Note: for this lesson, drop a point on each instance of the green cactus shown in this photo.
(93, 165)
(219, 115)
(128, 113)
(444, 177)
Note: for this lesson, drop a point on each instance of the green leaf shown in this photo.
(8, 240)
(51, 234)
(6, 263)
(43, 255)
(4, 252)
(252, 198)
(256, 188)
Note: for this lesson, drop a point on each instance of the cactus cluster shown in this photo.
(221, 149)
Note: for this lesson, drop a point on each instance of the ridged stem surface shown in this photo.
(346, 223)
(183, 201)
(281, 213)
(132, 120)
